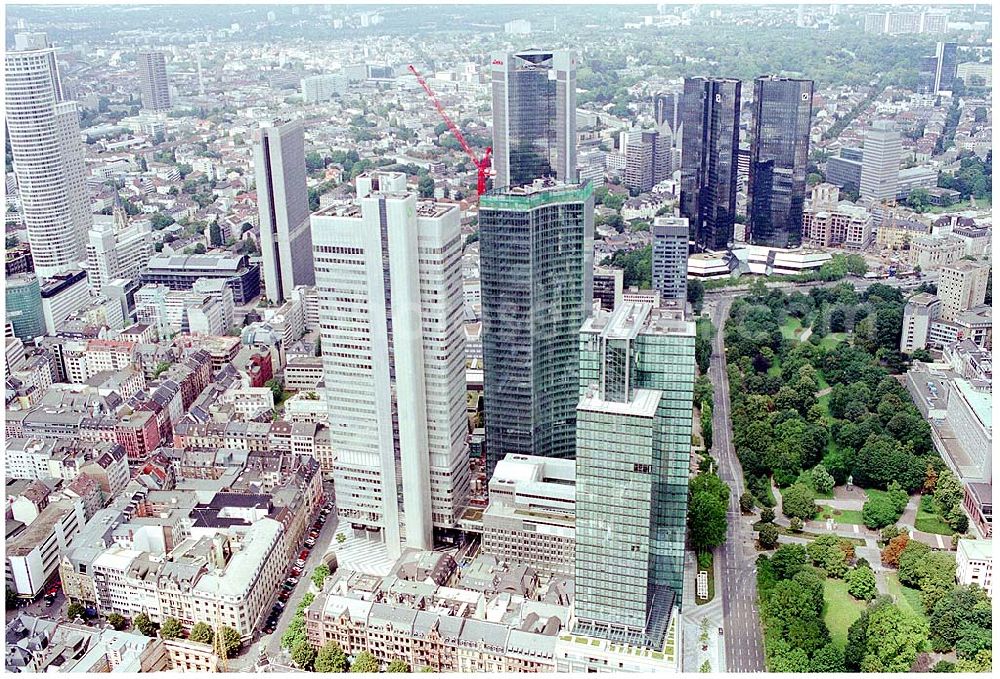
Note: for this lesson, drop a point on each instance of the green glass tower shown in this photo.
(536, 267)
(637, 372)
(24, 306)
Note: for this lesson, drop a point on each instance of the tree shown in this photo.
(304, 655)
(879, 511)
(831, 553)
(795, 524)
(331, 658)
(365, 662)
(861, 583)
(894, 639)
(890, 555)
(705, 667)
(171, 628)
(320, 574)
(830, 658)
(228, 641)
(823, 482)
(11, 241)
(798, 500)
(768, 536)
(425, 185)
(696, 294)
(767, 515)
(215, 234)
(73, 611)
(961, 615)
(398, 665)
(117, 621)
(706, 521)
(747, 503)
(788, 560)
(276, 387)
(201, 633)
(983, 662)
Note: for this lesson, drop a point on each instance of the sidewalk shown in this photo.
(692, 655)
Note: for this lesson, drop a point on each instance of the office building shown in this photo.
(880, 164)
(608, 284)
(976, 74)
(32, 556)
(633, 451)
(962, 286)
(946, 67)
(44, 133)
(975, 564)
(320, 88)
(647, 160)
(24, 306)
(919, 312)
(530, 518)
(388, 272)
(668, 108)
(117, 249)
(779, 157)
(179, 272)
(536, 256)
(709, 160)
(670, 255)
(153, 81)
(62, 296)
(534, 117)
(845, 170)
(283, 209)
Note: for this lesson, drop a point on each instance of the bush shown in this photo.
(768, 536)
(798, 500)
(795, 524)
(747, 502)
(767, 515)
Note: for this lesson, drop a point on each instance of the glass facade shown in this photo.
(779, 156)
(710, 145)
(637, 372)
(24, 306)
(534, 117)
(536, 254)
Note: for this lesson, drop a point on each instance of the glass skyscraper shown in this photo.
(534, 117)
(24, 306)
(637, 371)
(709, 149)
(779, 156)
(537, 261)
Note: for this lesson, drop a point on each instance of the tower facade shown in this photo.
(709, 159)
(779, 156)
(637, 371)
(946, 67)
(48, 157)
(388, 275)
(536, 270)
(283, 207)
(670, 257)
(153, 81)
(880, 162)
(534, 117)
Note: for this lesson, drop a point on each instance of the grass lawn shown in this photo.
(845, 516)
(907, 598)
(775, 368)
(833, 339)
(791, 328)
(821, 381)
(824, 404)
(806, 478)
(840, 609)
(928, 521)
(981, 204)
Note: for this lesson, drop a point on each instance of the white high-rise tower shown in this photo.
(389, 280)
(880, 161)
(48, 156)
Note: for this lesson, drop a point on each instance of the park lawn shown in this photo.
(821, 381)
(981, 204)
(845, 516)
(775, 369)
(840, 609)
(833, 339)
(907, 598)
(791, 328)
(930, 522)
(824, 404)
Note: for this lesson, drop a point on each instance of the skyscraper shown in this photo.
(534, 117)
(670, 257)
(709, 150)
(388, 273)
(647, 159)
(283, 206)
(153, 81)
(779, 156)
(946, 67)
(668, 107)
(880, 162)
(633, 455)
(48, 157)
(536, 269)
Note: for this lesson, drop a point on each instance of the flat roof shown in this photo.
(644, 403)
(976, 550)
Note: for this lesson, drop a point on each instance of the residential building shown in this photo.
(880, 164)
(633, 451)
(975, 564)
(534, 117)
(830, 223)
(48, 155)
(283, 208)
(930, 253)
(388, 272)
(531, 515)
(962, 286)
(782, 118)
(709, 163)
(319, 88)
(153, 83)
(536, 255)
(670, 256)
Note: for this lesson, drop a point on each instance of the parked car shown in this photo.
(304, 554)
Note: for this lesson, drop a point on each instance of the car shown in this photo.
(299, 564)
(293, 581)
(720, 631)
(278, 606)
(49, 602)
(283, 597)
(304, 554)
(310, 542)
(314, 534)
(296, 571)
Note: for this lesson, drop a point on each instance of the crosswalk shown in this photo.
(364, 556)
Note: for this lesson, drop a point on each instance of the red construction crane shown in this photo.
(482, 165)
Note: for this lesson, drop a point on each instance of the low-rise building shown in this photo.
(33, 555)
(975, 564)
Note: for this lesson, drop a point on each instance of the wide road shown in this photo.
(741, 622)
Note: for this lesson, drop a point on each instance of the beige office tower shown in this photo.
(48, 157)
(880, 162)
(389, 279)
(153, 80)
(961, 287)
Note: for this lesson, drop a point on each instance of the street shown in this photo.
(741, 623)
